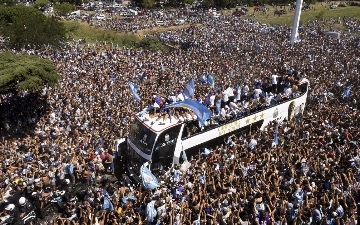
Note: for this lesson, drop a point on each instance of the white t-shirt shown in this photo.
(257, 92)
(288, 92)
(180, 97)
(212, 100)
(252, 144)
(225, 96)
(274, 79)
(230, 92)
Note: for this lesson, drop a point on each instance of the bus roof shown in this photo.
(155, 124)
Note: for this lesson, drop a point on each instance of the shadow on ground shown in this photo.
(19, 115)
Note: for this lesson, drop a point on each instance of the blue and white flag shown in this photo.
(201, 111)
(207, 152)
(347, 92)
(232, 73)
(134, 88)
(148, 179)
(150, 211)
(190, 89)
(210, 80)
(203, 79)
(276, 137)
(107, 204)
(125, 198)
(162, 66)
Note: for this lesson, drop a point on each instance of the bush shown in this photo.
(354, 4)
(151, 43)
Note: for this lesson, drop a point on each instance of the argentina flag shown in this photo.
(276, 137)
(210, 80)
(148, 179)
(190, 89)
(201, 111)
(347, 93)
(134, 88)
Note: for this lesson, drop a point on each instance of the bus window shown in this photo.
(190, 129)
(142, 137)
(163, 153)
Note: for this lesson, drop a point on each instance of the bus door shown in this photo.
(120, 154)
(163, 153)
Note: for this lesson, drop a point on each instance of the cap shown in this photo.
(10, 207)
(22, 201)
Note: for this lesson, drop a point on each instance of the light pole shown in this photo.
(295, 26)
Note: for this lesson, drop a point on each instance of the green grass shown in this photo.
(311, 15)
(91, 34)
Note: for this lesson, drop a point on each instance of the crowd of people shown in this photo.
(67, 139)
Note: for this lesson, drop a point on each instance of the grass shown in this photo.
(78, 30)
(319, 11)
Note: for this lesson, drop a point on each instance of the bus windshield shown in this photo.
(142, 137)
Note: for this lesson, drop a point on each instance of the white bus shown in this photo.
(161, 143)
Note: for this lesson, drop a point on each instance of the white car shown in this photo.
(101, 17)
(333, 6)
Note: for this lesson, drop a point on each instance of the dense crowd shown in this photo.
(68, 139)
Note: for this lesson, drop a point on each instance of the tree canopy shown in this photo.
(19, 72)
(26, 27)
(64, 8)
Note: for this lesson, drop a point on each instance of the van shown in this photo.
(333, 35)
(75, 14)
(180, 22)
(159, 23)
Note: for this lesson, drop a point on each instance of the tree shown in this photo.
(26, 27)
(148, 3)
(63, 9)
(208, 3)
(25, 72)
(41, 4)
(7, 2)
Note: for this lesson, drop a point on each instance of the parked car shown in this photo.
(333, 6)
(101, 17)
(159, 23)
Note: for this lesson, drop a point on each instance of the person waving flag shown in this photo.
(134, 88)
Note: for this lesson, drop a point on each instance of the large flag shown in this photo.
(148, 179)
(276, 137)
(150, 211)
(190, 89)
(125, 198)
(134, 88)
(210, 80)
(107, 204)
(199, 109)
(347, 92)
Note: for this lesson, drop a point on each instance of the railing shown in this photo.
(251, 113)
